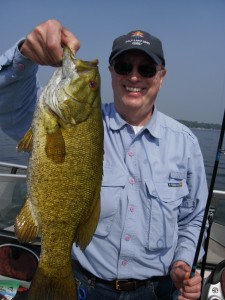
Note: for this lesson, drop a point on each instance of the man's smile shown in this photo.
(133, 89)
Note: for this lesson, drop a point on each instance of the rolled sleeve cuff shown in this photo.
(185, 255)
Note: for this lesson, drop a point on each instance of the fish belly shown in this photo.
(64, 201)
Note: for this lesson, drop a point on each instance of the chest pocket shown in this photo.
(164, 200)
(113, 184)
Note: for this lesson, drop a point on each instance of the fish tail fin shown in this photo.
(86, 230)
(26, 229)
(26, 143)
(52, 288)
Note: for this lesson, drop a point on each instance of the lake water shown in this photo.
(208, 140)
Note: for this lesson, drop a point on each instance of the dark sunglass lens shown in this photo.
(147, 70)
(122, 68)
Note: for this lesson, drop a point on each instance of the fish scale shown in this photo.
(64, 175)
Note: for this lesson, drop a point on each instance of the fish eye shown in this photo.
(93, 85)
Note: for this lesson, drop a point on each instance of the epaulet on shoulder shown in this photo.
(179, 127)
(189, 133)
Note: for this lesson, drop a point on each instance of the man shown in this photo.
(154, 186)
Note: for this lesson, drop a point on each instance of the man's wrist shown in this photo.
(179, 263)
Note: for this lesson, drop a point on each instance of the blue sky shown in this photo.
(192, 33)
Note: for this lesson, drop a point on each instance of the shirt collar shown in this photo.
(153, 126)
(116, 122)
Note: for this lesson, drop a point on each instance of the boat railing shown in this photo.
(12, 168)
(13, 192)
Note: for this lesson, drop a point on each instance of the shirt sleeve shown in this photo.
(18, 92)
(192, 208)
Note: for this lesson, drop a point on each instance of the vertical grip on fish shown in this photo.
(64, 174)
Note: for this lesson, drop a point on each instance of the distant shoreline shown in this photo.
(195, 124)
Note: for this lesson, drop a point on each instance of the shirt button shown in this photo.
(127, 237)
(124, 262)
(132, 181)
(21, 67)
(131, 153)
(132, 209)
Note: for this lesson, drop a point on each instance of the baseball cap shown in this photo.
(139, 40)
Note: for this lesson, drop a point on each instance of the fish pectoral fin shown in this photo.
(26, 228)
(86, 230)
(55, 148)
(26, 143)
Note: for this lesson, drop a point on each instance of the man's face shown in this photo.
(134, 94)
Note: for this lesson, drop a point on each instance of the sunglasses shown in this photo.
(145, 70)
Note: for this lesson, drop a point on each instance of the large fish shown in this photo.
(64, 174)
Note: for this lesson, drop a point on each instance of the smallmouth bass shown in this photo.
(64, 174)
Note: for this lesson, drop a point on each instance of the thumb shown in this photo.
(187, 275)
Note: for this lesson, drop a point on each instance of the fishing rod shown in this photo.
(201, 234)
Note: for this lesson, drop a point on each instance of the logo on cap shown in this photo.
(137, 34)
(137, 38)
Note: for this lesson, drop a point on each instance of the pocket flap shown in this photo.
(168, 191)
(171, 191)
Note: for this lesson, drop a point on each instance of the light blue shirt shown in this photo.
(154, 187)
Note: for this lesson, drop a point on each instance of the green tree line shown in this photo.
(195, 124)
